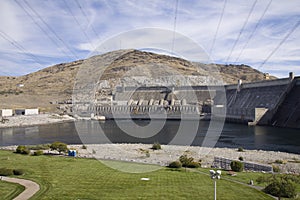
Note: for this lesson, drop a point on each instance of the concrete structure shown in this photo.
(6, 112)
(31, 111)
(268, 102)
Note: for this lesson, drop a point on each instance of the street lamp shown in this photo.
(215, 175)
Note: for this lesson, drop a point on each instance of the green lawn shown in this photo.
(9, 190)
(75, 178)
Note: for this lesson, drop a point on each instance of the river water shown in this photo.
(84, 132)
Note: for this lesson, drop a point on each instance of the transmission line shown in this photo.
(20, 47)
(77, 22)
(49, 27)
(174, 27)
(220, 21)
(252, 33)
(241, 31)
(86, 17)
(280, 43)
(42, 29)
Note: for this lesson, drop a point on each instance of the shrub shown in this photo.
(40, 147)
(21, 149)
(241, 158)
(156, 146)
(18, 172)
(280, 162)
(38, 153)
(276, 168)
(240, 149)
(175, 164)
(194, 165)
(237, 166)
(185, 160)
(281, 188)
(84, 147)
(59, 146)
(6, 172)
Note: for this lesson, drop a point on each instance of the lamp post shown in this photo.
(215, 175)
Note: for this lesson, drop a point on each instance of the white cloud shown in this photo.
(101, 20)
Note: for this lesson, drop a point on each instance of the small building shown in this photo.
(31, 111)
(72, 153)
(6, 112)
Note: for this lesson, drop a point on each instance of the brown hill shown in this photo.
(47, 87)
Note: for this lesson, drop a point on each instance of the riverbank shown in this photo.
(168, 153)
(31, 120)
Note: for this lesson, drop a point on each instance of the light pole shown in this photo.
(215, 175)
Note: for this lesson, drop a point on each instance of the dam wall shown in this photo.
(288, 112)
(270, 102)
(243, 102)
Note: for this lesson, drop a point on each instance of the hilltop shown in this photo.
(52, 85)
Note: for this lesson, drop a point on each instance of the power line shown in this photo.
(86, 17)
(42, 29)
(255, 28)
(220, 20)
(241, 31)
(174, 27)
(54, 33)
(20, 47)
(280, 43)
(77, 22)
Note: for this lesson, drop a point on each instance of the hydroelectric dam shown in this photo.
(269, 102)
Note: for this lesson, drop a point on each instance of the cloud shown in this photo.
(75, 30)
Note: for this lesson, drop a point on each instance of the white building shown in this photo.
(31, 111)
(6, 112)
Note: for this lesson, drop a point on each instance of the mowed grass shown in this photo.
(76, 178)
(9, 190)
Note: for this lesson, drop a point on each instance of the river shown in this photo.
(232, 135)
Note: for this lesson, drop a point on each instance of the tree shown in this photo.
(21, 149)
(237, 166)
(185, 160)
(59, 146)
(280, 185)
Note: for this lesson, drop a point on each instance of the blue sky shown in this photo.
(264, 34)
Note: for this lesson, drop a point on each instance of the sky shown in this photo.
(263, 34)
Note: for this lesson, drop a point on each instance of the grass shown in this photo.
(245, 177)
(9, 190)
(76, 178)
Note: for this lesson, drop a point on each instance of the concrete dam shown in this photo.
(269, 102)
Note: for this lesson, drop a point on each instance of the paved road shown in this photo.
(30, 187)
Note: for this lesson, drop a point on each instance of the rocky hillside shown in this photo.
(47, 87)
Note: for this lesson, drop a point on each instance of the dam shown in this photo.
(270, 102)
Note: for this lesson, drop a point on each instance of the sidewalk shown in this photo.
(30, 187)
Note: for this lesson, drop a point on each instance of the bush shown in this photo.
(38, 153)
(175, 164)
(156, 146)
(39, 147)
(185, 160)
(281, 188)
(240, 149)
(194, 165)
(237, 166)
(6, 172)
(241, 158)
(276, 168)
(59, 146)
(18, 172)
(84, 147)
(22, 150)
(280, 162)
